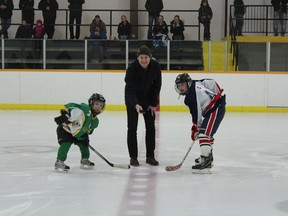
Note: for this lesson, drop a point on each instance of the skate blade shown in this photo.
(61, 170)
(86, 167)
(203, 171)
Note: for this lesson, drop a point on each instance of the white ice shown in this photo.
(250, 173)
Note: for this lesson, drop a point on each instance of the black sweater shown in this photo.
(143, 86)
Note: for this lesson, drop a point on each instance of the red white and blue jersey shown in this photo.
(203, 97)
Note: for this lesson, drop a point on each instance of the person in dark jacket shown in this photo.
(205, 16)
(49, 9)
(160, 33)
(97, 45)
(239, 11)
(154, 8)
(75, 8)
(27, 7)
(124, 29)
(143, 84)
(6, 11)
(177, 28)
(24, 30)
(280, 14)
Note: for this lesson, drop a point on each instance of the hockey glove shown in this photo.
(194, 132)
(85, 140)
(62, 118)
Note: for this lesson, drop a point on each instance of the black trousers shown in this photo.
(75, 15)
(132, 124)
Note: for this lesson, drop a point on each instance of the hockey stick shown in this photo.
(121, 166)
(176, 167)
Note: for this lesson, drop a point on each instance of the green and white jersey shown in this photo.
(81, 118)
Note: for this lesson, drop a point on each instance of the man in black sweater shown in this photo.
(143, 84)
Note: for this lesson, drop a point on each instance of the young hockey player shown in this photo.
(207, 107)
(75, 123)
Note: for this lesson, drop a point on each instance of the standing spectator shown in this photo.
(49, 9)
(124, 29)
(6, 8)
(24, 30)
(280, 14)
(160, 33)
(239, 11)
(177, 28)
(27, 7)
(143, 84)
(154, 8)
(98, 22)
(75, 8)
(205, 16)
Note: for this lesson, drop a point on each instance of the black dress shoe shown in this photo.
(134, 162)
(152, 161)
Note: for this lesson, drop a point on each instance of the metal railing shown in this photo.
(112, 19)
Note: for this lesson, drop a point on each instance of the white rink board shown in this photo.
(60, 87)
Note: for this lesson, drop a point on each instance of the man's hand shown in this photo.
(139, 109)
(152, 109)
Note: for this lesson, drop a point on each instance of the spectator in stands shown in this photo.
(280, 14)
(75, 13)
(124, 29)
(38, 30)
(38, 33)
(97, 44)
(24, 30)
(49, 9)
(154, 8)
(205, 16)
(160, 33)
(27, 7)
(239, 11)
(6, 11)
(98, 22)
(177, 28)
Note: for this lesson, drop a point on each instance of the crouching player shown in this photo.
(75, 123)
(207, 107)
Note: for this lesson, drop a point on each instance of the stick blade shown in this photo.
(121, 166)
(172, 168)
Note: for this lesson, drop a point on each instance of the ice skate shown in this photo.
(86, 164)
(197, 160)
(204, 166)
(60, 165)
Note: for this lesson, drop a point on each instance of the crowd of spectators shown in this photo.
(158, 28)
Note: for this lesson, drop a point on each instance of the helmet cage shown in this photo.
(183, 78)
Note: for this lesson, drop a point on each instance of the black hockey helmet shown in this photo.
(96, 98)
(182, 78)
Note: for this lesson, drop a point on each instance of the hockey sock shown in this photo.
(205, 146)
(85, 153)
(63, 151)
(211, 140)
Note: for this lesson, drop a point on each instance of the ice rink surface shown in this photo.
(250, 173)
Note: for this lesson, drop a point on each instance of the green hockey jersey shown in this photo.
(81, 120)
